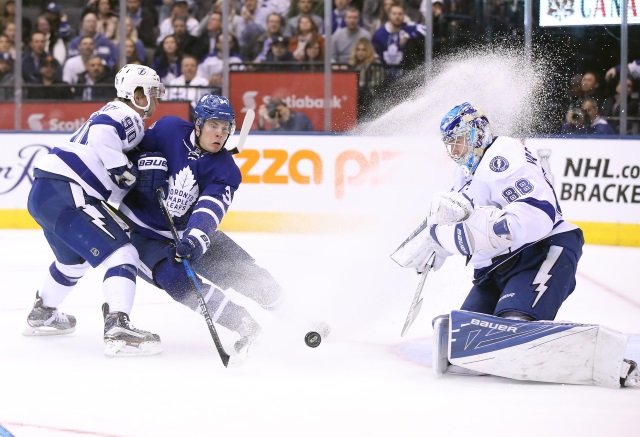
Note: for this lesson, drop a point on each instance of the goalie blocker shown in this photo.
(557, 352)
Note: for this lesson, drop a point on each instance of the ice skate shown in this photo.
(630, 376)
(43, 320)
(249, 331)
(122, 338)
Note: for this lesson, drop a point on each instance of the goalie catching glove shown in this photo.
(486, 228)
(449, 207)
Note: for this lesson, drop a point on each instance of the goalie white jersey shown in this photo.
(99, 144)
(510, 177)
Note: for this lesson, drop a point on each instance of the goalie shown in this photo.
(503, 215)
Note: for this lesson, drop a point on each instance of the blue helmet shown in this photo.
(217, 108)
(466, 125)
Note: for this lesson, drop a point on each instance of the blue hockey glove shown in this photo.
(191, 247)
(124, 176)
(153, 171)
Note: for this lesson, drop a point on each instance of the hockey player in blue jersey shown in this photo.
(67, 199)
(202, 179)
(504, 216)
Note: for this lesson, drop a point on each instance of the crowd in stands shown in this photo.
(182, 40)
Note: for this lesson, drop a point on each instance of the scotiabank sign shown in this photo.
(302, 92)
(64, 117)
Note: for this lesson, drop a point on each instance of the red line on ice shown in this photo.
(610, 290)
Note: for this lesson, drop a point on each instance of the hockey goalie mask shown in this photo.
(466, 134)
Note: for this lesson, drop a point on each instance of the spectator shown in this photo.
(216, 7)
(97, 82)
(440, 24)
(186, 42)
(598, 125)
(338, 14)
(576, 122)
(77, 65)
(189, 86)
(390, 40)
(380, 14)
(634, 71)
(279, 53)
(56, 48)
(103, 47)
(574, 92)
(344, 39)
(7, 47)
(590, 86)
(167, 62)
(180, 9)
(212, 67)
(145, 22)
(280, 7)
(370, 74)
(7, 77)
(206, 42)
(303, 7)
(59, 32)
(281, 118)
(306, 31)
(250, 29)
(611, 109)
(313, 57)
(275, 27)
(51, 86)
(134, 47)
(107, 18)
(9, 16)
(35, 55)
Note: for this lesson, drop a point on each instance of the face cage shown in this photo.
(452, 141)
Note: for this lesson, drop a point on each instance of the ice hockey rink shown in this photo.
(364, 380)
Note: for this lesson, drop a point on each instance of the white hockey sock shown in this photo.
(119, 293)
(59, 282)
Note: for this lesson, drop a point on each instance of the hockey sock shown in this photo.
(119, 288)
(59, 282)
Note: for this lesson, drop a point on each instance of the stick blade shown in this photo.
(413, 313)
(249, 117)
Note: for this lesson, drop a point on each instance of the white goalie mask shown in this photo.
(132, 76)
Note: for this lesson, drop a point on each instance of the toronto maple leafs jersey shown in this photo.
(201, 184)
(98, 145)
(510, 177)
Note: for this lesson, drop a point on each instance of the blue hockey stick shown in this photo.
(224, 356)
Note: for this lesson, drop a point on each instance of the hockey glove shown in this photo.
(449, 207)
(124, 176)
(192, 246)
(153, 171)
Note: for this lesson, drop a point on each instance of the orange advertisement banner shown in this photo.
(302, 92)
(67, 117)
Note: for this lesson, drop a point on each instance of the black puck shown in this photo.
(312, 339)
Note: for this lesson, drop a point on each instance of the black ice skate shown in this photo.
(122, 338)
(43, 320)
(249, 331)
(630, 374)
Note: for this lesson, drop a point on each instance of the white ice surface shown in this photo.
(364, 380)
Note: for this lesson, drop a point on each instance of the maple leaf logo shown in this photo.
(183, 192)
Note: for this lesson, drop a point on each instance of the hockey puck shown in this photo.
(312, 339)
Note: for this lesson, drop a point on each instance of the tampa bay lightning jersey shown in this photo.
(510, 177)
(98, 145)
(201, 185)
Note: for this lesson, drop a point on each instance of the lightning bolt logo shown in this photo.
(97, 217)
(543, 274)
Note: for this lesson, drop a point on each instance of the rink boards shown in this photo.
(333, 183)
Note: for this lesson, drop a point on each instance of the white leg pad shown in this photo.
(567, 353)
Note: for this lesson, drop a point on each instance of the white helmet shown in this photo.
(132, 76)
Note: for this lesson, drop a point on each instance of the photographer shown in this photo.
(280, 118)
(576, 122)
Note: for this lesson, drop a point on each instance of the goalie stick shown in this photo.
(224, 356)
(244, 131)
(416, 305)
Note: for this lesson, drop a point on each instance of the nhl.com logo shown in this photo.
(293, 101)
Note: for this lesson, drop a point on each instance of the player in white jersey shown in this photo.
(504, 216)
(67, 199)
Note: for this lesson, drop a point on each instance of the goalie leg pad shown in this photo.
(568, 353)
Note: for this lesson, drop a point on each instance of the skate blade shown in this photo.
(44, 331)
(119, 348)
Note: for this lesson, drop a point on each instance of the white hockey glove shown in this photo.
(416, 250)
(449, 207)
(486, 229)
